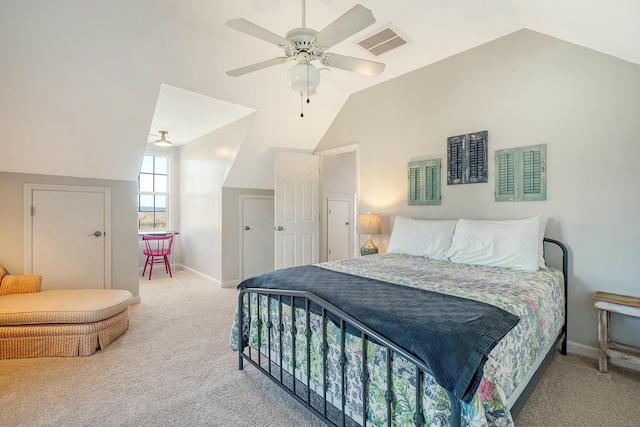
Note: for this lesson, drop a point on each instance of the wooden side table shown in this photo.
(608, 303)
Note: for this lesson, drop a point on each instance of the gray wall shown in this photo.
(339, 173)
(338, 178)
(124, 269)
(525, 89)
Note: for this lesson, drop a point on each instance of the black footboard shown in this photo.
(331, 414)
(335, 413)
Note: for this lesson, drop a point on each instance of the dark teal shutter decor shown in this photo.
(454, 156)
(521, 173)
(424, 182)
(467, 158)
(478, 157)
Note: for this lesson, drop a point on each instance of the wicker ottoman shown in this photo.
(72, 322)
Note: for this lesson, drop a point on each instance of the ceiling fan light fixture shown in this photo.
(304, 78)
(162, 142)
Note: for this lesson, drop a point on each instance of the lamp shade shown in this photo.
(369, 224)
(304, 78)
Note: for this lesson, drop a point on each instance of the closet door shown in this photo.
(257, 235)
(68, 236)
(339, 229)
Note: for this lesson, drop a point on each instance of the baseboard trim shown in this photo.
(594, 353)
(200, 275)
(136, 300)
(231, 283)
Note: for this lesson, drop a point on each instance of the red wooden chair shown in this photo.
(158, 249)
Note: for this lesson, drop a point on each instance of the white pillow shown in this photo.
(541, 231)
(509, 244)
(420, 237)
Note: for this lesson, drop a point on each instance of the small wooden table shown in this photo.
(606, 303)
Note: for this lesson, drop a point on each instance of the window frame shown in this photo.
(167, 194)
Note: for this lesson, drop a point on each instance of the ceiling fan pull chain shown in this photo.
(301, 106)
(308, 101)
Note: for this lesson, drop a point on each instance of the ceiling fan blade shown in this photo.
(254, 30)
(258, 66)
(349, 63)
(355, 20)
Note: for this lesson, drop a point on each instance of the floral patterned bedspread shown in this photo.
(537, 298)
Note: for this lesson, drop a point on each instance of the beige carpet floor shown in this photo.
(173, 367)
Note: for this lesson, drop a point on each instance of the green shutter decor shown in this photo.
(534, 172)
(415, 184)
(506, 186)
(424, 182)
(521, 173)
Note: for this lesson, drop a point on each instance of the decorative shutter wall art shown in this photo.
(521, 173)
(454, 156)
(415, 183)
(506, 175)
(533, 172)
(424, 182)
(467, 158)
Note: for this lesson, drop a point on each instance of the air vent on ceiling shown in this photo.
(383, 40)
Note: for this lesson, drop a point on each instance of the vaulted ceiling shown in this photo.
(84, 83)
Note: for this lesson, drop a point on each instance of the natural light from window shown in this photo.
(153, 193)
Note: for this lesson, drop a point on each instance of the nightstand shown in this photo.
(607, 303)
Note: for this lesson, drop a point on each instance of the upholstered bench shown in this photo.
(73, 322)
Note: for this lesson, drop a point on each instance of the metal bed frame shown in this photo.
(303, 393)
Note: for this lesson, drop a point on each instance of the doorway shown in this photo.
(339, 183)
(296, 209)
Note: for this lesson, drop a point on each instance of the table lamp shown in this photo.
(368, 224)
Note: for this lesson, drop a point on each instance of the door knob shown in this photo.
(280, 228)
(95, 234)
(246, 227)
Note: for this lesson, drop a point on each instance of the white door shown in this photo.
(68, 236)
(257, 254)
(338, 229)
(297, 219)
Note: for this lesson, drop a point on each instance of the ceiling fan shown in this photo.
(304, 45)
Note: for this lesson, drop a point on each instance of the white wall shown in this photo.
(525, 89)
(85, 77)
(204, 165)
(124, 227)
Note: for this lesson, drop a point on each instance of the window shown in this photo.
(521, 173)
(424, 182)
(153, 193)
(467, 158)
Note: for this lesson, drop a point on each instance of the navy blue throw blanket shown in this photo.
(451, 335)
